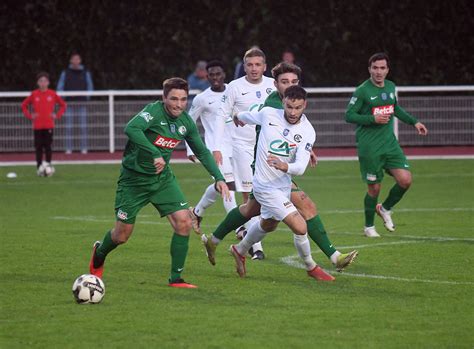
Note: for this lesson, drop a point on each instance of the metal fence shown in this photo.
(447, 111)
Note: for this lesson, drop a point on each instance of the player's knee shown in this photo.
(249, 209)
(404, 182)
(373, 190)
(268, 225)
(308, 210)
(183, 225)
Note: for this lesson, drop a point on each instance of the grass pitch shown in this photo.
(409, 289)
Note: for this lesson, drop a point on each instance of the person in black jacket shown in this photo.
(76, 78)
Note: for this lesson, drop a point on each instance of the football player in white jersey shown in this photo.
(206, 106)
(285, 75)
(284, 146)
(246, 94)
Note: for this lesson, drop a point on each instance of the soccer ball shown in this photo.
(45, 170)
(88, 289)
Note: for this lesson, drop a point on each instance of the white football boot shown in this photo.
(370, 232)
(386, 216)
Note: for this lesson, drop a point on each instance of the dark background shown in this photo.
(136, 44)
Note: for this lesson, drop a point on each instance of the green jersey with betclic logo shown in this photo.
(369, 101)
(153, 133)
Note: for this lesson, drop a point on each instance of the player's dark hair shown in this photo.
(174, 83)
(215, 63)
(255, 52)
(295, 92)
(284, 67)
(42, 74)
(380, 56)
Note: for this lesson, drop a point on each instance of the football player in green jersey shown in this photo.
(285, 75)
(372, 108)
(146, 176)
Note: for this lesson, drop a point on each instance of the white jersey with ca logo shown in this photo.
(241, 96)
(292, 143)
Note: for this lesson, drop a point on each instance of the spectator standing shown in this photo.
(198, 79)
(43, 101)
(76, 78)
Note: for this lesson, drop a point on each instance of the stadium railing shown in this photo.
(447, 111)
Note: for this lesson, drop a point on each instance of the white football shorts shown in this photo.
(226, 168)
(242, 158)
(275, 204)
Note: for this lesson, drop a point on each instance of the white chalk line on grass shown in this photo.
(293, 261)
(414, 237)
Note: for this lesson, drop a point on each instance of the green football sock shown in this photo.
(395, 195)
(369, 209)
(232, 221)
(106, 246)
(318, 234)
(179, 251)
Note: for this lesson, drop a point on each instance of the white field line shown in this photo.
(417, 209)
(184, 161)
(411, 237)
(293, 261)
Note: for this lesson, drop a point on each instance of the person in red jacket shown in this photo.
(43, 101)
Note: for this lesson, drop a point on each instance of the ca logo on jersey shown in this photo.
(146, 116)
(281, 147)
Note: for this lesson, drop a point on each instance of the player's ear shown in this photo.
(275, 83)
(305, 104)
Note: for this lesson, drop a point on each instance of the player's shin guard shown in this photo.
(255, 234)
(179, 251)
(207, 199)
(395, 195)
(304, 250)
(369, 209)
(106, 246)
(229, 205)
(318, 234)
(232, 221)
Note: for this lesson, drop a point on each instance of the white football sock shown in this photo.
(230, 205)
(258, 246)
(304, 250)
(334, 257)
(255, 234)
(207, 199)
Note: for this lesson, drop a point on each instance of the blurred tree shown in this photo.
(136, 44)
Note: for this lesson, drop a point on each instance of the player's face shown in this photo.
(378, 71)
(254, 68)
(284, 81)
(216, 76)
(175, 102)
(294, 109)
(43, 83)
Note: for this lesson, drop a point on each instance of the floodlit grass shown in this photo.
(409, 289)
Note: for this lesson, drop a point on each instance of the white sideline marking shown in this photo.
(293, 261)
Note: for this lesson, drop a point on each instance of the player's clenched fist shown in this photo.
(159, 164)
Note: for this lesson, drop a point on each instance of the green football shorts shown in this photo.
(372, 166)
(134, 191)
